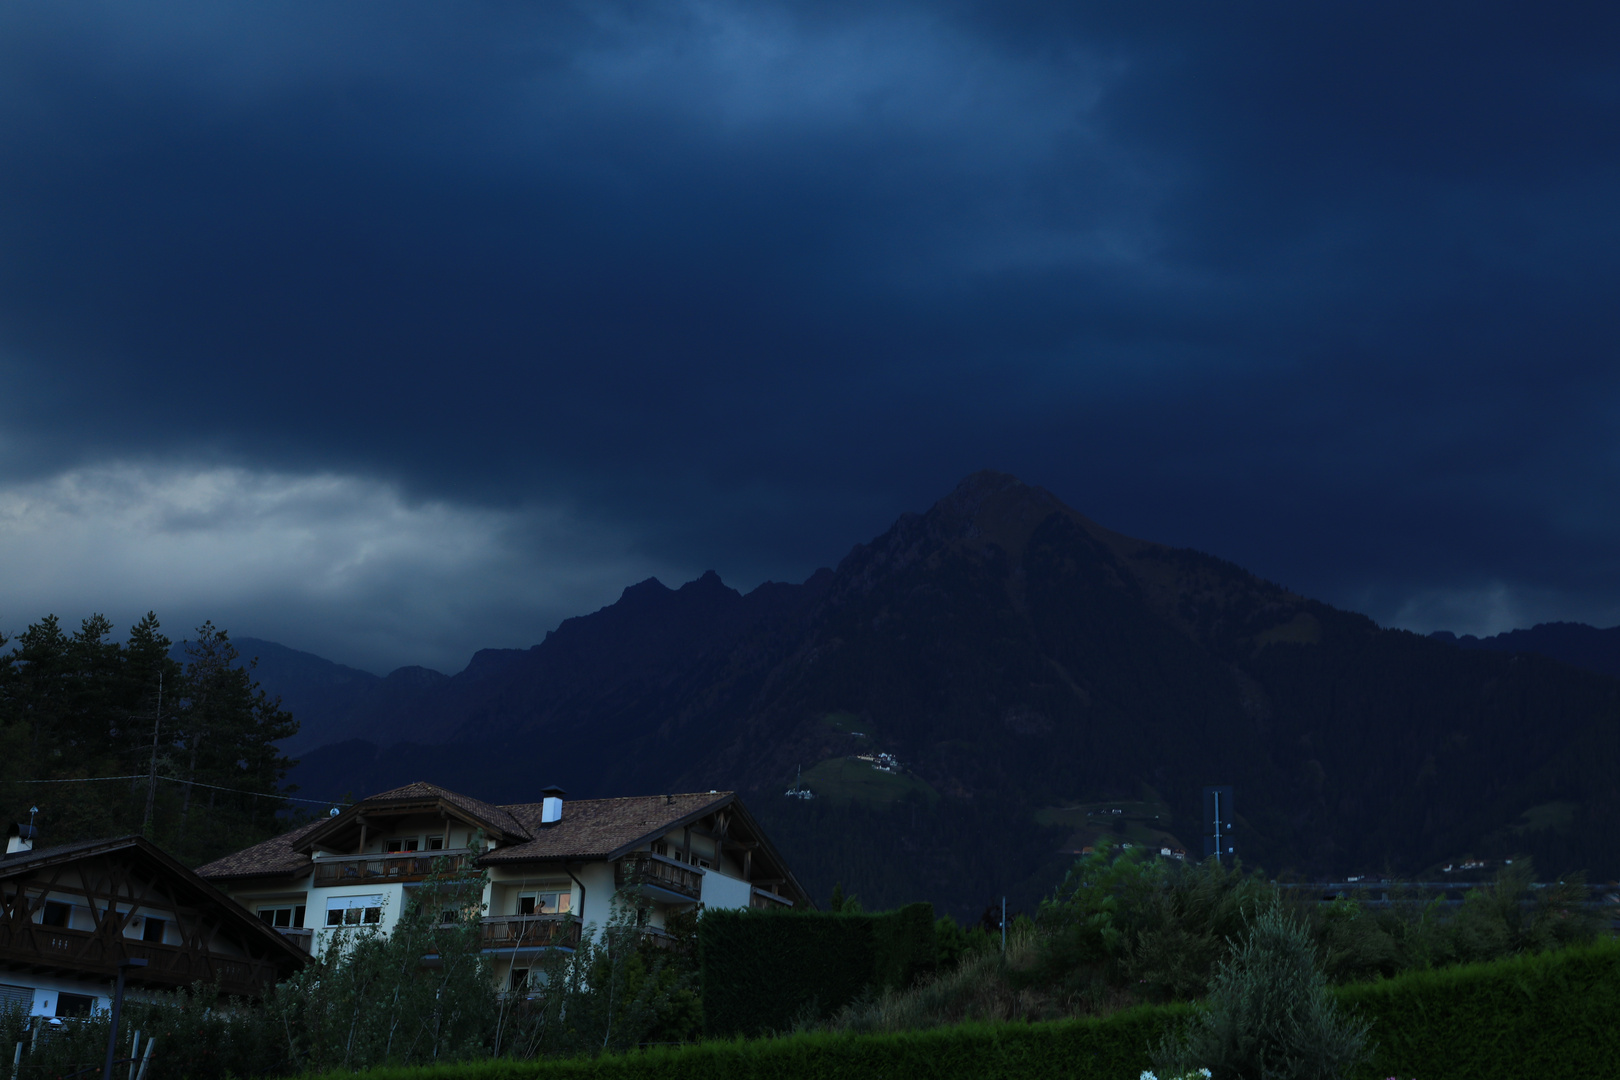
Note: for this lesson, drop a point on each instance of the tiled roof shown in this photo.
(271, 858)
(483, 811)
(595, 828)
(9, 864)
(589, 829)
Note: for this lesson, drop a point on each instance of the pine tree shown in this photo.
(76, 708)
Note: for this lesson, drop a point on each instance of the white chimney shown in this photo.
(20, 838)
(551, 805)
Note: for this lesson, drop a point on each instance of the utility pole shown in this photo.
(151, 776)
(1219, 813)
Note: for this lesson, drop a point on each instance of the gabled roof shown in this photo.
(277, 857)
(604, 828)
(186, 881)
(495, 818)
(589, 829)
(496, 822)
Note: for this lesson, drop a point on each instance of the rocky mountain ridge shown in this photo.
(1022, 661)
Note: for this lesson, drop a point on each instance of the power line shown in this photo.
(193, 783)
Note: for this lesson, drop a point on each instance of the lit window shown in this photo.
(546, 903)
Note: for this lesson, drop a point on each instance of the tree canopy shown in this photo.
(189, 741)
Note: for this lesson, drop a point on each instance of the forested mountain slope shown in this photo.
(1576, 644)
(1023, 662)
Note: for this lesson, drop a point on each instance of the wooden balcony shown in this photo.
(301, 936)
(530, 932)
(664, 879)
(387, 869)
(83, 952)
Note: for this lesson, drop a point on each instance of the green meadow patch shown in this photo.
(846, 780)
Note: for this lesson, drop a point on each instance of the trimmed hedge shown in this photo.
(744, 957)
(1552, 1015)
(1110, 1049)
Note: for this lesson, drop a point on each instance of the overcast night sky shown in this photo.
(395, 331)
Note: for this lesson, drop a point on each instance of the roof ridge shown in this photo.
(628, 798)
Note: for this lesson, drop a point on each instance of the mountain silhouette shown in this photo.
(1027, 668)
(1576, 644)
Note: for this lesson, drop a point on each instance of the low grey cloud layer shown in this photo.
(447, 323)
(341, 565)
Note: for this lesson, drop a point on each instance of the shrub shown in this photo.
(1270, 1015)
(765, 971)
(1124, 920)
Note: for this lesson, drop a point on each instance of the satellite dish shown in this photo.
(332, 812)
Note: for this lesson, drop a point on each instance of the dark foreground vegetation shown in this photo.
(190, 743)
(1549, 1014)
(1132, 963)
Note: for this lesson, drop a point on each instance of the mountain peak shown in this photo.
(991, 507)
(709, 583)
(643, 591)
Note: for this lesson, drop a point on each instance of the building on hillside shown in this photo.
(553, 865)
(73, 914)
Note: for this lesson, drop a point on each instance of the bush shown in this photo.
(1549, 1014)
(769, 971)
(1111, 1048)
(1270, 1015)
(198, 1035)
(1505, 918)
(1123, 921)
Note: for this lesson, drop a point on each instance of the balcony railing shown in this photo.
(85, 952)
(301, 936)
(645, 868)
(386, 869)
(530, 932)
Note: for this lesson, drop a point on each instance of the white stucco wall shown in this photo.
(721, 891)
(47, 987)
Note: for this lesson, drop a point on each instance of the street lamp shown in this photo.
(117, 1007)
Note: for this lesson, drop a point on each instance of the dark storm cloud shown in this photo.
(1325, 292)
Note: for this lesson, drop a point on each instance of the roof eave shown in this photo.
(774, 855)
(626, 848)
(189, 877)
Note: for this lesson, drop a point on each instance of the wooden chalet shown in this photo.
(553, 865)
(71, 914)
